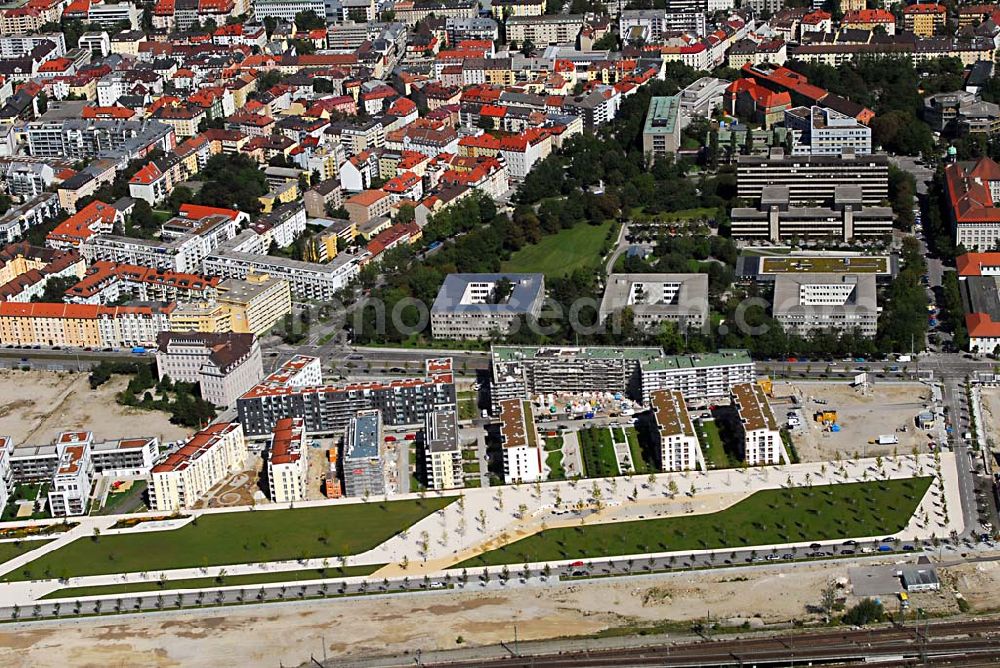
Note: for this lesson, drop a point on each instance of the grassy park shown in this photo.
(775, 516)
(554, 458)
(236, 538)
(598, 453)
(578, 247)
(223, 581)
(15, 548)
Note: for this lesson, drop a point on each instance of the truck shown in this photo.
(888, 439)
(904, 358)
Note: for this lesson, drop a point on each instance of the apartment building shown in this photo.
(819, 130)
(442, 450)
(82, 139)
(813, 178)
(777, 219)
(698, 377)
(364, 455)
(208, 458)
(471, 306)
(256, 303)
(81, 325)
(972, 190)
(762, 443)
(807, 303)
(545, 30)
(677, 441)
(19, 219)
(519, 440)
(288, 462)
(653, 299)
(650, 25)
(924, 18)
(225, 366)
(39, 463)
(661, 134)
(523, 372)
(71, 484)
(327, 409)
(979, 284)
(109, 282)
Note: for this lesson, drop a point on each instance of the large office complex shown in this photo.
(759, 430)
(813, 179)
(478, 306)
(522, 451)
(186, 475)
(819, 130)
(442, 450)
(326, 409)
(653, 299)
(225, 366)
(364, 456)
(807, 303)
(661, 134)
(973, 190)
(698, 377)
(678, 449)
(287, 462)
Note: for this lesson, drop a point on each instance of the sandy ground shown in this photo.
(287, 633)
(862, 417)
(36, 405)
(991, 406)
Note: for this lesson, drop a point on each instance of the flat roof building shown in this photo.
(364, 457)
(478, 306)
(699, 377)
(813, 178)
(522, 453)
(761, 437)
(809, 303)
(679, 449)
(442, 450)
(661, 134)
(654, 299)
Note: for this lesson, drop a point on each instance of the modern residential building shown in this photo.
(677, 441)
(225, 366)
(442, 450)
(650, 25)
(545, 30)
(125, 457)
(653, 299)
(809, 303)
(287, 462)
(296, 389)
(761, 437)
(364, 455)
(19, 219)
(777, 219)
(519, 440)
(71, 484)
(973, 190)
(702, 98)
(524, 372)
(813, 178)
(698, 377)
(661, 134)
(188, 474)
(819, 130)
(478, 306)
(256, 303)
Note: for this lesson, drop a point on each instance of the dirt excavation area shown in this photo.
(36, 405)
(362, 627)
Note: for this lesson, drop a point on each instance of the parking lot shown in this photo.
(886, 409)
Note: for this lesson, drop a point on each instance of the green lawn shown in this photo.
(578, 247)
(225, 581)
(236, 538)
(11, 549)
(554, 461)
(471, 467)
(598, 453)
(766, 517)
(639, 464)
(553, 443)
(712, 446)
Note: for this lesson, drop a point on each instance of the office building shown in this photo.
(813, 178)
(296, 389)
(777, 219)
(979, 284)
(442, 450)
(698, 377)
(519, 440)
(208, 458)
(809, 303)
(702, 98)
(677, 442)
(287, 462)
(364, 455)
(759, 430)
(479, 306)
(661, 135)
(524, 372)
(972, 192)
(224, 366)
(653, 299)
(819, 130)
(256, 303)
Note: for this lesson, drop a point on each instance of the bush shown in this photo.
(867, 611)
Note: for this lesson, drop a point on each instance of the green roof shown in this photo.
(663, 115)
(514, 353)
(720, 358)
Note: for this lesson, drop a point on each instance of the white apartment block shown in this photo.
(679, 447)
(287, 461)
(442, 450)
(761, 437)
(522, 451)
(545, 30)
(698, 377)
(71, 482)
(203, 462)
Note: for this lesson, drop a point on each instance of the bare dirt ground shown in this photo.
(991, 408)
(36, 405)
(288, 633)
(885, 409)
